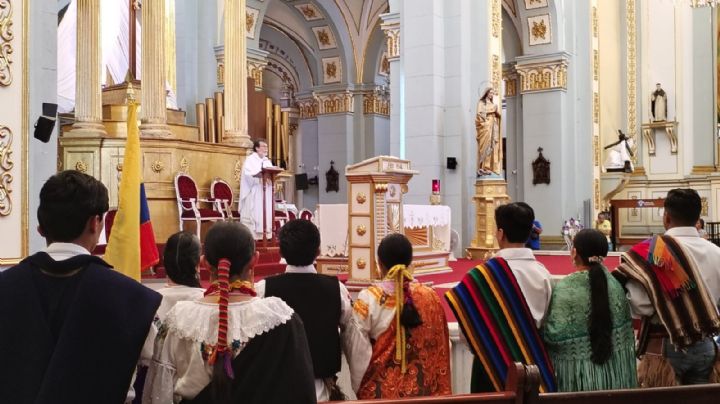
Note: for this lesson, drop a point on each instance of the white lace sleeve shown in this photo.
(160, 379)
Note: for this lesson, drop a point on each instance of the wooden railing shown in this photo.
(522, 388)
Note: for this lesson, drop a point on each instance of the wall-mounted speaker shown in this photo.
(451, 163)
(46, 122)
(301, 182)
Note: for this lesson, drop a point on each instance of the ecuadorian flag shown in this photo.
(131, 247)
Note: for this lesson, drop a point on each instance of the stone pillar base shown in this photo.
(489, 193)
(158, 130)
(237, 139)
(87, 129)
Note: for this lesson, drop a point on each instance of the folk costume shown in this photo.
(567, 337)
(388, 359)
(323, 304)
(495, 313)
(260, 342)
(673, 282)
(72, 328)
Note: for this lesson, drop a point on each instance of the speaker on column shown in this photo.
(46, 122)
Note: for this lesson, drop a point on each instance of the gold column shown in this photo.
(88, 97)
(153, 108)
(235, 75)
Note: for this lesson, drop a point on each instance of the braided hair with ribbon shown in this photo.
(395, 253)
(229, 250)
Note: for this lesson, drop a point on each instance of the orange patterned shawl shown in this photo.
(428, 355)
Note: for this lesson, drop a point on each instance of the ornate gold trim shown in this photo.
(157, 166)
(510, 79)
(392, 33)
(308, 108)
(631, 72)
(496, 71)
(6, 48)
(376, 103)
(335, 103)
(361, 198)
(543, 76)
(6, 165)
(361, 230)
(184, 165)
(596, 107)
(81, 166)
(595, 25)
(360, 263)
(496, 19)
(702, 170)
(237, 171)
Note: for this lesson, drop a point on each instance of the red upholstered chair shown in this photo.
(188, 203)
(222, 194)
(306, 215)
(291, 215)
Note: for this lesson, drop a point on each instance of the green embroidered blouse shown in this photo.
(567, 337)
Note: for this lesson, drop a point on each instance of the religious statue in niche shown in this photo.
(619, 158)
(658, 104)
(487, 134)
(333, 179)
(541, 169)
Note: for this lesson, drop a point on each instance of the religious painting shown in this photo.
(309, 11)
(539, 30)
(325, 37)
(251, 17)
(332, 70)
(533, 4)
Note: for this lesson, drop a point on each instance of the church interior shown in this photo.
(385, 116)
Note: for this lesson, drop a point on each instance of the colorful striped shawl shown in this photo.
(495, 319)
(672, 281)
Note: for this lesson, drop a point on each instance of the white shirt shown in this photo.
(63, 251)
(533, 279)
(321, 390)
(706, 256)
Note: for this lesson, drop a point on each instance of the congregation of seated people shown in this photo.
(73, 330)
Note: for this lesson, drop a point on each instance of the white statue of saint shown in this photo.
(251, 192)
(619, 158)
(658, 104)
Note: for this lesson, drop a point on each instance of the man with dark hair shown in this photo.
(673, 283)
(513, 264)
(322, 301)
(72, 329)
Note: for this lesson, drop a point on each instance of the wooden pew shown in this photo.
(517, 385)
(697, 394)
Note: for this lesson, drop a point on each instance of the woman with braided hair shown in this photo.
(231, 346)
(588, 330)
(397, 341)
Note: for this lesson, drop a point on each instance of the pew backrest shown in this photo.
(697, 394)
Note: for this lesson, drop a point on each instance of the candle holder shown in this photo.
(435, 197)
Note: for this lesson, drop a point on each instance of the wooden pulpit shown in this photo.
(267, 175)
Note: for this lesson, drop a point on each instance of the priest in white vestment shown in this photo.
(251, 192)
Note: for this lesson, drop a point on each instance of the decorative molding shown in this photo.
(496, 22)
(361, 198)
(596, 64)
(596, 193)
(184, 165)
(324, 37)
(361, 230)
(6, 165)
(332, 70)
(308, 108)
(543, 76)
(376, 103)
(157, 166)
(648, 131)
(596, 107)
(237, 171)
(251, 19)
(255, 70)
(309, 11)
(532, 4)
(596, 151)
(391, 27)
(704, 206)
(81, 166)
(702, 170)
(510, 79)
(384, 67)
(6, 37)
(496, 67)
(631, 66)
(539, 30)
(595, 26)
(335, 103)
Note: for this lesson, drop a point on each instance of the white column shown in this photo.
(391, 27)
(235, 75)
(153, 112)
(88, 96)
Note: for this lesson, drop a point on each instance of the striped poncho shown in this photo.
(496, 321)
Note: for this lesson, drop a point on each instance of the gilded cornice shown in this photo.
(308, 108)
(376, 103)
(391, 27)
(335, 103)
(510, 78)
(544, 76)
(6, 37)
(631, 66)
